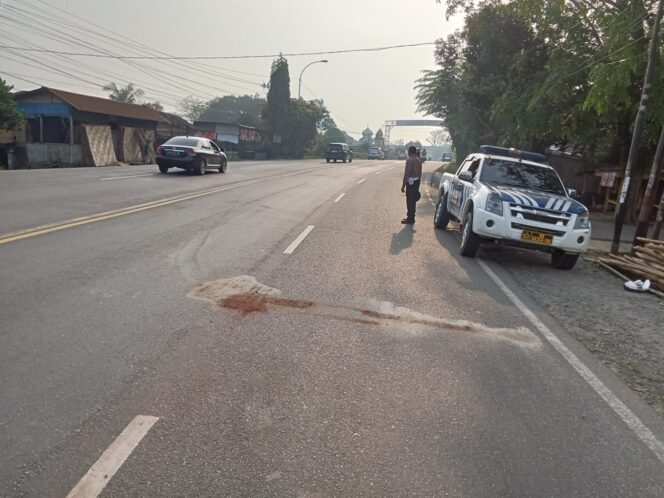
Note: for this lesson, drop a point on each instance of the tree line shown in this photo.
(531, 73)
(298, 126)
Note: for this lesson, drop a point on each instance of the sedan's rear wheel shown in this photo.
(201, 167)
(163, 169)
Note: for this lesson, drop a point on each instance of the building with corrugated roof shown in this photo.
(71, 129)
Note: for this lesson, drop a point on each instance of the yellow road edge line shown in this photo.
(106, 215)
(54, 227)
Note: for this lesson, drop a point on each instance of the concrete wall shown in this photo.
(40, 155)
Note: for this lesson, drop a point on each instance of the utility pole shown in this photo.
(638, 129)
(646, 205)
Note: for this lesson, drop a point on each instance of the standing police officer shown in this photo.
(411, 184)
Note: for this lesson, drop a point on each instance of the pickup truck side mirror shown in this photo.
(572, 193)
(466, 176)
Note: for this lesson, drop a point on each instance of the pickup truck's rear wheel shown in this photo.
(563, 260)
(470, 241)
(441, 218)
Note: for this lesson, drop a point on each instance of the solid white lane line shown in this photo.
(340, 197)
(126, 176)
(291, 248)
(379, 172)
(623, 412)
(112, 459)
(362, 180)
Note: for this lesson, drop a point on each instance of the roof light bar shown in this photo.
(511, 152)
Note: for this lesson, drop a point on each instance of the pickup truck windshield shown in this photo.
(514, 174)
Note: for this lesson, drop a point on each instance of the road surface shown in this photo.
(275, 331)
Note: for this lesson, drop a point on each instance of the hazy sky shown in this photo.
(358, 88)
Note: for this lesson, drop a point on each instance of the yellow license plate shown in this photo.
(537, 237)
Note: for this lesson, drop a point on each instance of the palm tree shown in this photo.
(129, 93)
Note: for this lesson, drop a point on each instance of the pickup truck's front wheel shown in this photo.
(563, 260)
(470, 241)
(441, 218)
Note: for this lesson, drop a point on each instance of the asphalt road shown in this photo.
(348, 374)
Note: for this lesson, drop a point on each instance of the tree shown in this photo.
(245, 109)
(128, 93)
(156, 105)
(192, 108)
(438, 138)
(10, 116)
(277, 113)
(329, 133)
(305, 119)
(579, 79)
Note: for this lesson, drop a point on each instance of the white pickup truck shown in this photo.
(509, 196)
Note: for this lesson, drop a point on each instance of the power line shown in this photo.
(213, 57)
(123, 40)
(53, 33)
(124, 43)
(73, 40)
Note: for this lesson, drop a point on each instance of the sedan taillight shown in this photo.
(160, 151)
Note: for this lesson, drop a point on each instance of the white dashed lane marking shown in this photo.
(96, 479)
(378, 172)
(362, 180)
(340, 197)
(291, 248)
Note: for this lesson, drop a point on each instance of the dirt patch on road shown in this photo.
(252, 302)
(245, 295)
(624, 330)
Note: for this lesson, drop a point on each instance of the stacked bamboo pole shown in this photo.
(645, 262)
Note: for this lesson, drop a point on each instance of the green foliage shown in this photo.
(244, 109)
(10, 117)
(305, 118)
(278, 109)
(128, 93)
(156, 105)
(304, 126)
(525, 73)
(192, 108)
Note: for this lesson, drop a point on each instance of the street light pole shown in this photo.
(299, 86)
